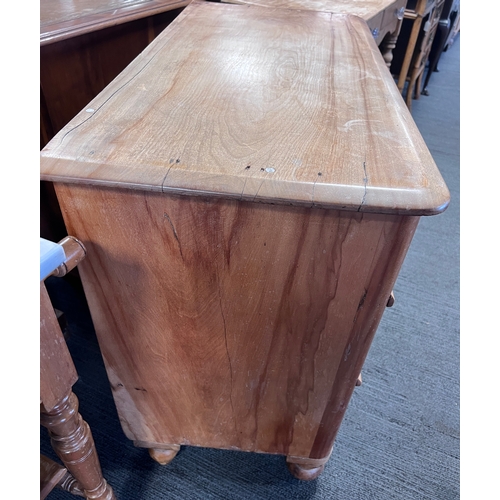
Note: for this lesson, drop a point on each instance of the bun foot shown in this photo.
(164, 455)
(305, 472)
(305, 468)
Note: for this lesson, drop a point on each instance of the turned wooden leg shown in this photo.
(73, 443)
(387, 46)
(164, 455)
(306, 469)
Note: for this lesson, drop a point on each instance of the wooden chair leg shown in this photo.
(418, 85)
(409, 93)
(410, 48)
(73, 443)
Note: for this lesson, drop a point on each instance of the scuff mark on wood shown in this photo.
(174, 231)
(228, 356)
(365, 181)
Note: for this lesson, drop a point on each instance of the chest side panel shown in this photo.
(230, 324)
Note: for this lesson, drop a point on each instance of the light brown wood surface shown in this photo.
(258, 104)
(382, 16)
(232, 324)
(60, 19)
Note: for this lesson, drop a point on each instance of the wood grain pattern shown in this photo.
(256, 104)
(78, 61)
(381, 16)
(231, 324)
(60, 20)
(74, 71)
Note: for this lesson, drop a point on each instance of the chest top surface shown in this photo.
(60, 19)
(259, 104)
(366, 9)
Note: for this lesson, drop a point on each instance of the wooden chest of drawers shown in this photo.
(247, 190)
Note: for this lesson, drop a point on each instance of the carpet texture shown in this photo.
(400, 435)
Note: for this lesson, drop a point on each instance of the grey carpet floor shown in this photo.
(400, 436)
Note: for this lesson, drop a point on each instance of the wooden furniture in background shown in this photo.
(448, 22)
(383, 17)
(421, 54)
(70, 435)
(247, 189)
(415, 11)
(411, 53)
